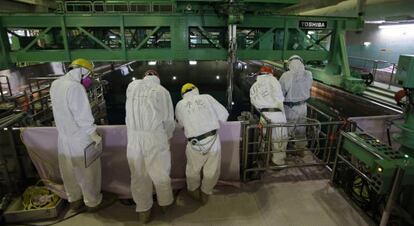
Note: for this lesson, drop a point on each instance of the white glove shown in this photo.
(281, 106)
(95, 137)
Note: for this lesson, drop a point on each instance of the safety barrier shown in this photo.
(321, 139)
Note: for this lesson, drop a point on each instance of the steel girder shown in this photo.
(177, 36)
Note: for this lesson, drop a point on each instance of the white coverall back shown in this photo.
(296, 85)
(267, 93)
(200, 114)
(150, 124)
(74, 122)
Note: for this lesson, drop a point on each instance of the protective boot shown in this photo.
(300, 152)
(144, 217)
(204, 198)
(77, 206)
(194, 194)
(165, 209)
(107, 200)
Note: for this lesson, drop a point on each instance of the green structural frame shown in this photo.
(335, 72)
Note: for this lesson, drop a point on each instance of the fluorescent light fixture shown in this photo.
(311, 32)
(174, 78)
(152, 63)
(192, 62)
(112, 37)
(397, 26)
(218, 77)
(133, 78)
(367, 44)
(375, 21)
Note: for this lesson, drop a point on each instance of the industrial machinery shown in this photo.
(231, 30)
(378, 178)
(181, 30)
(405, 98)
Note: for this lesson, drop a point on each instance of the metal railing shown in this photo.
(372, 66)
(321, 140)
(5, 89)
(114, 7)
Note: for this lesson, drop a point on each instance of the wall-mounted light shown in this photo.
(152, 63)
(397, 26)
(218, 77)
(192, 62)
(366, 44)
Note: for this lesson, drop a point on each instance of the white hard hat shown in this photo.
(295, 57)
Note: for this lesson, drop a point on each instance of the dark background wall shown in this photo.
(203, 75)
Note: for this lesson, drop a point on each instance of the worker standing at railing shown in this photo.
(200, 115)
(77, 130)
(296, 85)
(150, 125)
(266, 95)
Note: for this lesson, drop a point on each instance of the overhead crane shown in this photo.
(199, 30)
(181, 30)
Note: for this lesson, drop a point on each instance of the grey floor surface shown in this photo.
(289, 197)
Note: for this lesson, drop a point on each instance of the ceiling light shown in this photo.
(152, 63)
(112, 37)
(397, 26)
(375, 21)
(367, 44)
(174, 78)
(192, 62)
(218, 77)
(232, 103)
(133, 78)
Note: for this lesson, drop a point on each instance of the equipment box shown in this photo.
(16, 213)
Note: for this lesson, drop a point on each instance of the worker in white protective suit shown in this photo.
(296, 85)
(200, 116)
(150, 124)
(267, 97)
(76, 129)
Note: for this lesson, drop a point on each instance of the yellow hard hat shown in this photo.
(187, 88)
(80, 62)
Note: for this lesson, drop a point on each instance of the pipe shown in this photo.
(372, 9)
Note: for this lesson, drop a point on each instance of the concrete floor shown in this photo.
(284, 198)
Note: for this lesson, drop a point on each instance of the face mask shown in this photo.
(87, 82)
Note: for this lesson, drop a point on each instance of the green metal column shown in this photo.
(4, 48)
(179, 38)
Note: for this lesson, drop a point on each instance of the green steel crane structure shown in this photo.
(181, 30)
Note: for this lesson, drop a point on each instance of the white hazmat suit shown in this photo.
(150, 124)
(200, 114)
(296, 84)
(267, 93)
(75, 125)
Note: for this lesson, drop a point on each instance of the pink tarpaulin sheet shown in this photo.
(41, 143)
